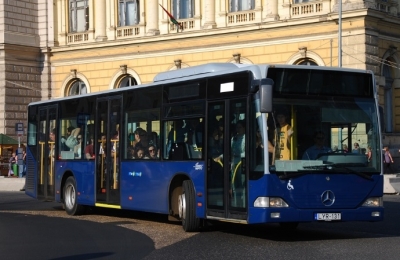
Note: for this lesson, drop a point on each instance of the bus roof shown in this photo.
(205, 70)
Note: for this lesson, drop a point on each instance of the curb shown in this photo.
(11, 184)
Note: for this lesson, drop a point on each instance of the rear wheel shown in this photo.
(187, 207)
(70, 198)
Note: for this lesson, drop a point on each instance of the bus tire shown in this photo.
(187, 207)
(70, 198)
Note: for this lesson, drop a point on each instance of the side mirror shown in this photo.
(265, 90)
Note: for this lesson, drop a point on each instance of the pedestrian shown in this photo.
(387, 160)
(11, 162)
(23, 163)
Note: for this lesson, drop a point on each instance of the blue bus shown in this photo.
(226, 142)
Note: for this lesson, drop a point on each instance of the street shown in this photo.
(42, 230)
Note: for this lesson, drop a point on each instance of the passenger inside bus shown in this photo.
(52, 139)
(284, 134)
(194, 133)
(142, 139)
(141, 153)
(238, 149)
(216, 145)
(78, 147)
(89, 150)
(318, 148)
(152, 152)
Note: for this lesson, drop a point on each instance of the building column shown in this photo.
(152, 11)
(271, 10)
(209, 15)
(100, 20)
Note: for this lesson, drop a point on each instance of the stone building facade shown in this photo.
(24, 70)
(83, 46)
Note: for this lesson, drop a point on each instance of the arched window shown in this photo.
(77, 88)
(308, 62)
(127, 81)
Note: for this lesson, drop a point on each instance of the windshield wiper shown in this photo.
(346, 166)
(337, 167)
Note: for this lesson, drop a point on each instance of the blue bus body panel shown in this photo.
(304, 197)
(83, 172)
(147, 183)
(144, 185)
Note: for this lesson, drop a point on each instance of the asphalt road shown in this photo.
(32, 229)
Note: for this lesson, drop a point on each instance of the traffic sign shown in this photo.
(19, 129)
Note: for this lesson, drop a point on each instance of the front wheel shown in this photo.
(70, 198)
(187, 207)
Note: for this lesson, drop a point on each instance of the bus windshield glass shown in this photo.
(310, 135)
(324, 121)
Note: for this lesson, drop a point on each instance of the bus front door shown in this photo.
(226, 160)
(107, 151)
(47, 152)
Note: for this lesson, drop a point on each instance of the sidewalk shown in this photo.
(11, 184)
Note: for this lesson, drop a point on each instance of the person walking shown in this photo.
(387, 160)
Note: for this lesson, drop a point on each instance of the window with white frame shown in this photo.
(129, 12)
(79, 15)
(127, 81)
(77, 88)
(182, 9)
(241, 5)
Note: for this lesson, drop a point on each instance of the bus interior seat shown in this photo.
(192, 153)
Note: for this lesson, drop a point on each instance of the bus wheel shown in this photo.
(187, 207)
(70, 198)
(289, 225)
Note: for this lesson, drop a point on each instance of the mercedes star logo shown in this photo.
(328, 198)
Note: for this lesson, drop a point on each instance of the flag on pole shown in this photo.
(172, 18)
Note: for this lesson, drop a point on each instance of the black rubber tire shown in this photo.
(187, 208)
(70, 198)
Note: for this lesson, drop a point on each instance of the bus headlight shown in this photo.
(373, 202)
(270, 202)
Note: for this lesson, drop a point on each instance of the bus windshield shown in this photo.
(323, 135)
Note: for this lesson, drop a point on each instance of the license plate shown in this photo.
(328, 216)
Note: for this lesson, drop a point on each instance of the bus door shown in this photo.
(47, 152)
(107, 150)
(227, 172)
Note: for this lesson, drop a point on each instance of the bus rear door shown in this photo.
(46, 152)
(107, 150)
